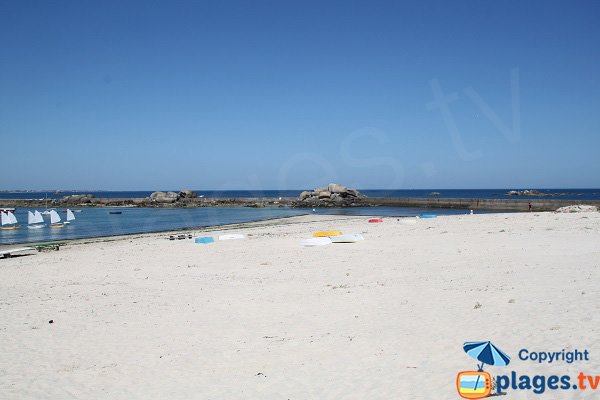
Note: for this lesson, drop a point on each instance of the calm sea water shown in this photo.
(98, 222)
(568, 194)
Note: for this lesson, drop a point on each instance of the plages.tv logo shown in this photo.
(478, 384)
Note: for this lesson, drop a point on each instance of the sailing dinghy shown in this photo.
(55, 220)
(70, 216)
(9, 221)
(35, 220)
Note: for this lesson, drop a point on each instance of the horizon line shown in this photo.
(275, 190)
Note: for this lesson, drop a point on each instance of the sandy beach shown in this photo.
(143, 317)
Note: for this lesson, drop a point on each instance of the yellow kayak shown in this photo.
(327, 233)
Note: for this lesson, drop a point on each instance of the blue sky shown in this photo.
(294, 94)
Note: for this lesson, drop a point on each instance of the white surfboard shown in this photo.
(315, 241)
(232, 236)
(348, 238)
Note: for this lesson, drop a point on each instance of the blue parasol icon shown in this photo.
(487, 353)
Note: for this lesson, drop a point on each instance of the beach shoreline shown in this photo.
(278, 221)
(145, 317)
(139, 221)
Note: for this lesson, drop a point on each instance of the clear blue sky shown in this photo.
(293, 94)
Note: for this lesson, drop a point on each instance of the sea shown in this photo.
(102, 222)
(566, 194)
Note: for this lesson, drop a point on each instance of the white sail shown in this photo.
(5, 220)
(38, 217)
(11, 218)
(54, 217)
(34, 217)
(70, 215)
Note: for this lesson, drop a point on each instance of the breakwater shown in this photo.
(480, 204)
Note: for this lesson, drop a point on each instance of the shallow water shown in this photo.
(98, 222)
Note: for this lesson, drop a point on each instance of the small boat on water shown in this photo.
(75, 211)
(115, 212)
(5, 210)
(55, 222)
(9, 221)
(70, 216)
(35, 220)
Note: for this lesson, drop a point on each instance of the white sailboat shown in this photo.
(70, 216)
(9, 221)
(35, 220)
(4, 218)
(55, 220)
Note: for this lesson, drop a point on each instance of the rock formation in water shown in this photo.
(187, 194)
(78, 198)
(172, 197)
(334, 195)
(164, 197)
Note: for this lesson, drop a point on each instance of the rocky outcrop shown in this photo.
(78, 198)
(172, 197)
(164, 197)
(334, 195)
(187, 194)
(337, 188)
(305, 195)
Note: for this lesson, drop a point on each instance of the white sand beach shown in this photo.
(144, 317)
